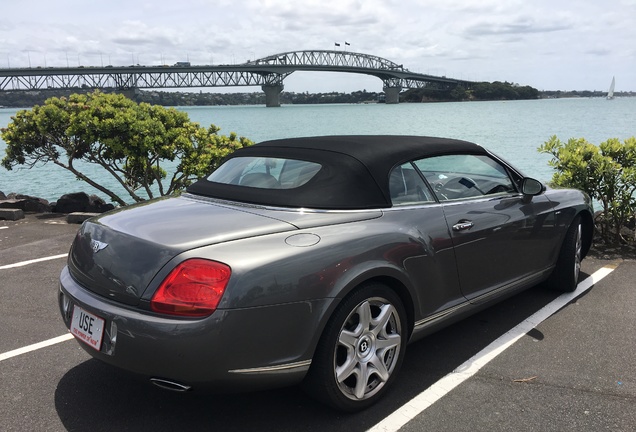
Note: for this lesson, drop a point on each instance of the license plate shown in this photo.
(87, 327)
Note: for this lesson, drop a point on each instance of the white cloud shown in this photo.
(519, 25)
(138, 34)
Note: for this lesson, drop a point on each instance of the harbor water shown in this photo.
(512, 129)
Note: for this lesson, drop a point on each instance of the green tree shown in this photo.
(132, 142)
(607, 173)
(459, 93)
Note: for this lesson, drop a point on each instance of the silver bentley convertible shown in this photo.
(315, 261)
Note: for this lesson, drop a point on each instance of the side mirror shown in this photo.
(532, 187)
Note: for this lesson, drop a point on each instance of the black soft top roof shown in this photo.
(354, 174)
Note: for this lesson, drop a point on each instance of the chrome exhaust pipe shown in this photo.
(170, 385)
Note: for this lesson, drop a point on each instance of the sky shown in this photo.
(547, 44)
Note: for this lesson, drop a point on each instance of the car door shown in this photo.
(430, 260)
(500, 237)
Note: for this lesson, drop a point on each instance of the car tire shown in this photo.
(361, 349)
(565, 276)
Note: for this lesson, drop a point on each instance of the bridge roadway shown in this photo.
(268, 72)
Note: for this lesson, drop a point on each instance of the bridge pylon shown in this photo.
(392, 94)
(130, 93)
(272, 94)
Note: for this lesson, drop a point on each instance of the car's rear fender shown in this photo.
(390, 275)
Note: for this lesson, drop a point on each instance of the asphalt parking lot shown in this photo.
(575, 370)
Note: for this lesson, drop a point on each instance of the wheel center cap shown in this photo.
(364, 345)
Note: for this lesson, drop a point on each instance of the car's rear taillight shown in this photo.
(194, 288)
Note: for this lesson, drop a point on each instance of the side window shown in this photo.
(455, 177)
(407, 187)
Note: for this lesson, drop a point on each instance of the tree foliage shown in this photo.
(482, 91)
(607, 173)
(503, 91)
(27, 98)
(132, 142)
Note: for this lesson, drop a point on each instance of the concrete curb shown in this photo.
(11, 214)
(79, 217)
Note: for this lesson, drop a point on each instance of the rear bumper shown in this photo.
(230, 350)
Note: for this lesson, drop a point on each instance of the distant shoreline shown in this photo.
(21, 99)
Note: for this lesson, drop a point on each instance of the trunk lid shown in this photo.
(116, 255)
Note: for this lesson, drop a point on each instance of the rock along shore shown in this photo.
(13, 206)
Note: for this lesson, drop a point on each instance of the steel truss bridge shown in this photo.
(268, 72)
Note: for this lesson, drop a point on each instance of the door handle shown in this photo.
(463, 225)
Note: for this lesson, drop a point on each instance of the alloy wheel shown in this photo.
(367, 349)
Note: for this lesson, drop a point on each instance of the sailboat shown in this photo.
(610, 93)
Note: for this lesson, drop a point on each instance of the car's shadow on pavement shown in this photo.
(96, 397)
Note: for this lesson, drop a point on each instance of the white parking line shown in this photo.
(469, 368)
(4, 227)
(33, 261)
(36, 346)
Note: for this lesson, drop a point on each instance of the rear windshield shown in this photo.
(265, 172)
(293, 177)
